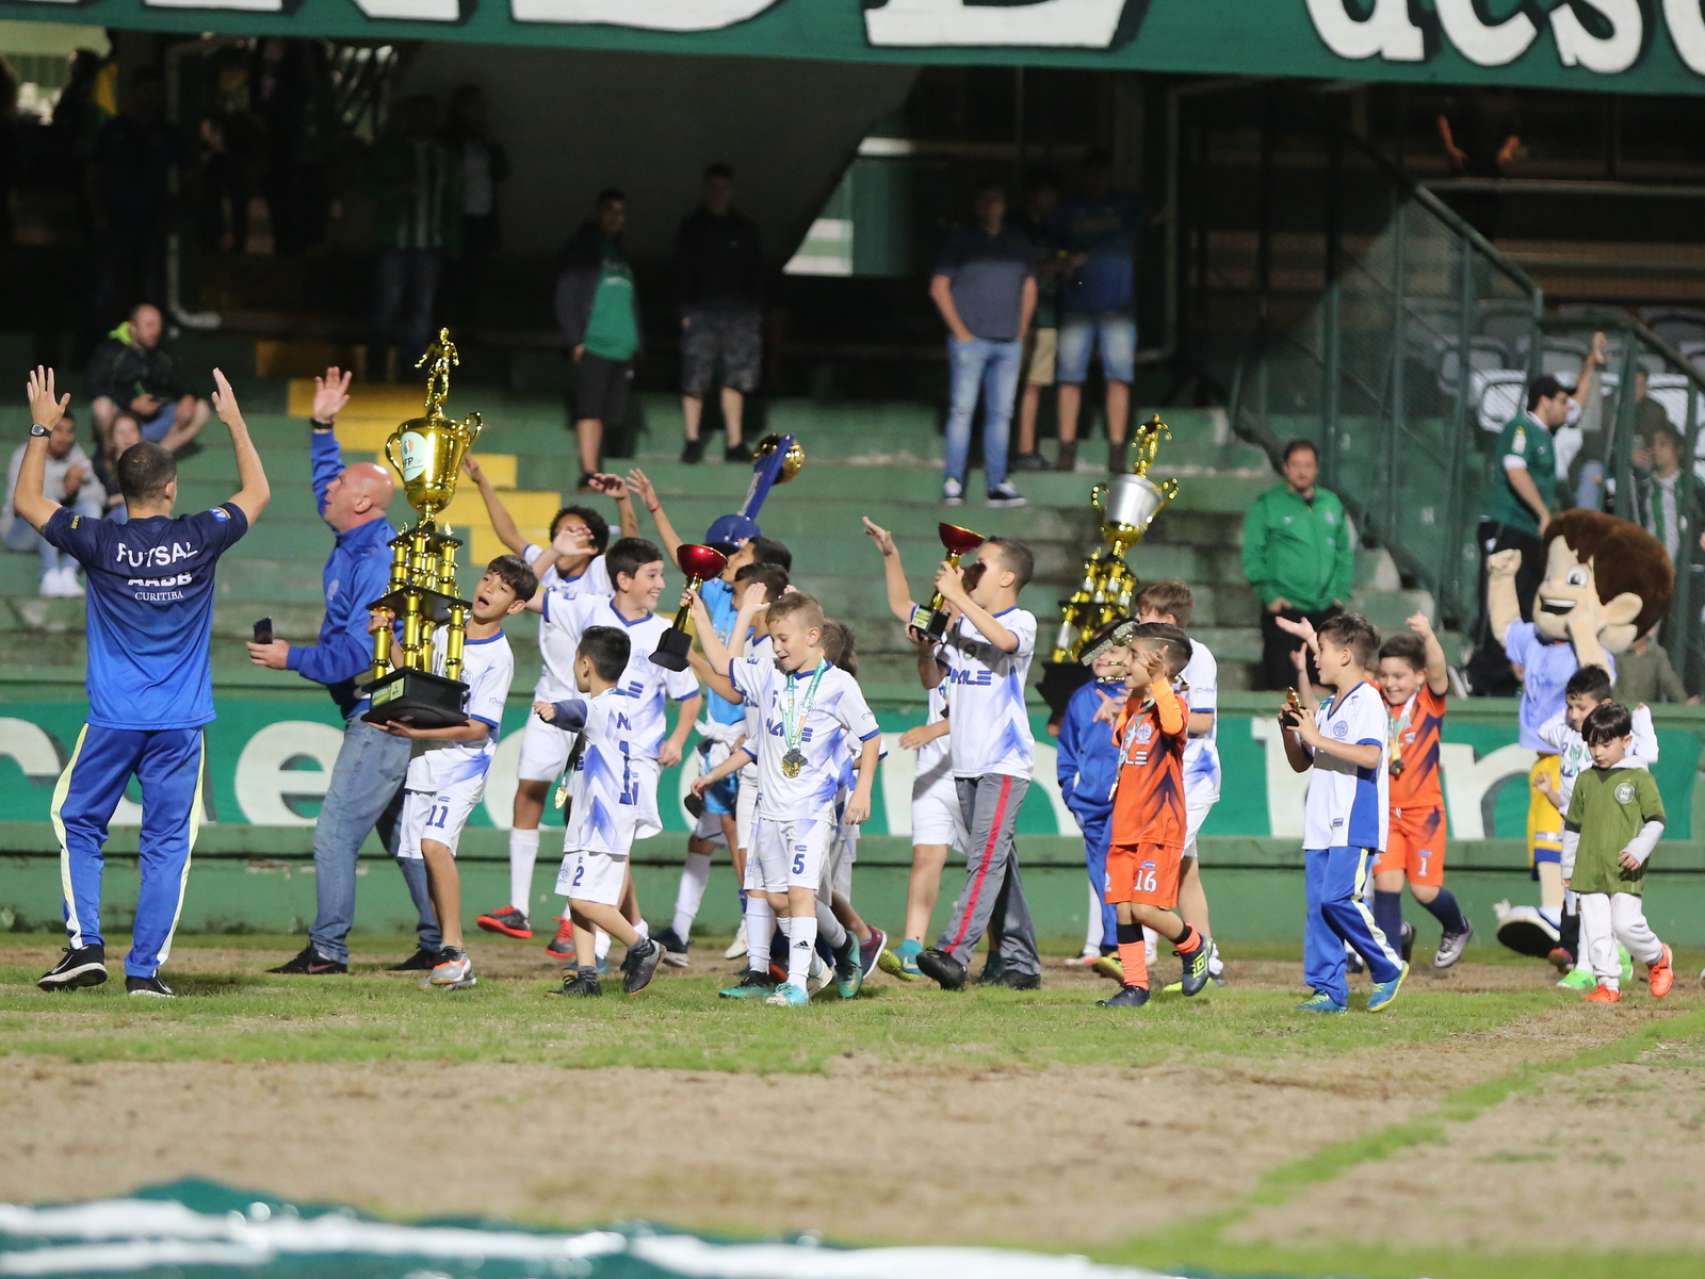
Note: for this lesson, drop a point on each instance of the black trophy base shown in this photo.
(1059, 681)
(419, 698)
(930, 623)
(672, 649)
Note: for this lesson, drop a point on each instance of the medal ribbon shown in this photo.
(792, 716)
(1394, 756)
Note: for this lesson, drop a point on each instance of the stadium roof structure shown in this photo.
(1623, 46)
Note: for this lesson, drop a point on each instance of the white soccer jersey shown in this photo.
(1347, 806)
(835, 712)
(488, 666)
(1573, 757)
(1202, 754)
(935, 759)
(556, 677)
(991, 724)
(648, 686)
(608, 808)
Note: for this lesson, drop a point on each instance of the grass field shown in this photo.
(1487, 1125)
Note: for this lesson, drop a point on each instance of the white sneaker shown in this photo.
(73, 585)
(952, 493)
(737, 947)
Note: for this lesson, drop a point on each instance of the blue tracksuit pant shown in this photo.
(1337, 914)
(167, 763)
(1097, 830)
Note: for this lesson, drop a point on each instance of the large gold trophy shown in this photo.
(427, 453)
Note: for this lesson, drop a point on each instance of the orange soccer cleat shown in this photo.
(1661, 976)
(1602, 994)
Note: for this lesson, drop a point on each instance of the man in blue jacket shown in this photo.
(1088, 762)
(366, 784)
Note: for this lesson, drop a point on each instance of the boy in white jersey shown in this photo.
(605, 815)
(636, 570)
(570, 564)
(446, 777)
(1345, 817)
(808, 708)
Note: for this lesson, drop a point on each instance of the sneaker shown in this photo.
(1603, 994)
(1406, 940)
(849, 969)
(902, 961)
(70, 585)
(639, 965)
(941, 968)
(1004, 495)
(952, 493)
(692, 452)
(1321, 1002)
(1661, 975)
(308, 962)
(1579, 979)
(737, 947)
(870, 952)
(78, 966)
(787, 995)
(1128, 997)
(453, 971)
(1195, 970)
(562, 945)
(578, 986)
(751, 986)
(1386, 991)
(1110, 965)
(740, 452)
(148, 988)
(1029, 462)
(1626, 963)
(511, 921)
(422, 961)
(1006, 979)
(674, 949)
(1451, 946)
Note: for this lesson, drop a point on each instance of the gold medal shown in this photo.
(792, 763)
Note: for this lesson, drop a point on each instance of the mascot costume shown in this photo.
(1606, 582)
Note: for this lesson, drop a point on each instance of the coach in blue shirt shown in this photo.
(367, 780)
(149, 617)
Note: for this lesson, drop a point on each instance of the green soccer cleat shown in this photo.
(902, 961)
(1110, 966)
(788, 995)
(1578, 979)
(849, 969)
(1627, 963)
(1386, 991)
(1321, 1002)
(753, 985)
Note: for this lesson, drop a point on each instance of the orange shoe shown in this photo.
(1661, 977)
(562, 945)
(1602, 994)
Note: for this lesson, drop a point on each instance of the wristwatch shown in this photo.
(38, 431)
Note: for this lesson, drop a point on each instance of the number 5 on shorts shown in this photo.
(799, 859)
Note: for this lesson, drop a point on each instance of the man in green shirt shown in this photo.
(597, 309)
(1522, 496)
(1298, 556)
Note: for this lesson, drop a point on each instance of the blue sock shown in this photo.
(1388, 914)
(1444, 908)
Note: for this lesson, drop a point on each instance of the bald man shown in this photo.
(365, 792)
(132, 373)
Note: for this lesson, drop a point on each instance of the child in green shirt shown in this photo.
(1614, 820)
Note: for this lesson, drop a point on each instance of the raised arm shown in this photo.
(640, 484)
(1437, 669)
(502, 523)
(254, 491)
(46, 408)
(893, 572)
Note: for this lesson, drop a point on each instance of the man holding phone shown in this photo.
(365, 792)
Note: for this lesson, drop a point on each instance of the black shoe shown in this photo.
(737, 453)
(1407, 940)
(1195, 966)
(1015, 981)
(422, 961)
(639, 965)
(1029, 462)
(674, 949)
(1128, 997)
(78, 966)
(992, 974)
(578, 987)
(941, 968)
(310, 963)
(148, 988)
(692, 452)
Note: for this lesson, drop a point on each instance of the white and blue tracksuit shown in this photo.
(1088, 765)
(150, 612)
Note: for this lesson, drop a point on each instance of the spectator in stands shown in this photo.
(1041, 201)
(1522, 496)
(1644, 674)
(1658, 498)
(597, 309)
(1650, 417)
(485, 168)
(719, 269)
(419, 214)
(124, 431)
(132, 372)
(222, 207)
(366, 788)
(70, 481)
(129, 178)
(1299, 557)
(985, 289)
(1480, 132)
(1098, 229)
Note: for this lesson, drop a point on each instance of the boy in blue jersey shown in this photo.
(1342, 746)
(150, 611)
(1087, 762)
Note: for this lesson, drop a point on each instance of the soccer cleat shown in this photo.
(849, 969)
(422, 961)
(511, 921)
(941, 968)
(1603, 994)
(1195, 970)
(453, 971)
(1005, 495)
(787, 995)
(870, 952)
(309, 962)
(1661, 976)
(1128, 997)
(1627, 963)
(1321, 1002)
(578, 986)
(78, 966)
(562, 945)
(1109, 965)
(817, 976)
(1451, 946)
(674, 949)
(639, 965)
(1580, 979)
(1386, 991)
(1009, 980)
(1406, 940)
(737, 947)
(148, 988)
(902, 960)
(752, 985)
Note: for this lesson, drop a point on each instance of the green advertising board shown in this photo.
(1625, 46)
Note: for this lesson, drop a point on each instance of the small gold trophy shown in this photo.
(427, 453)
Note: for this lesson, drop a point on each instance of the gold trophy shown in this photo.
(427, 453)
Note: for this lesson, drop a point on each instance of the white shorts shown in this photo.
(746, 808)
(788, 854)
(438, 815)
(937, 817)
(593, 877)
(1196, 810)
(544, 751)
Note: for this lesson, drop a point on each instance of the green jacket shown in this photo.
(1299, 550)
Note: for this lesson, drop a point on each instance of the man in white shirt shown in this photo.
(69, 480)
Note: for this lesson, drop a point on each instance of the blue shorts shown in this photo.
(155, 428)
(1111, 334)
(722, 797)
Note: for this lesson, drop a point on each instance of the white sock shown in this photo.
(523, 852)
(600, 943)
(802, 944)
(642, 928)
(829, 928)
(694, 876)
(760, 925)
(1151, 944)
